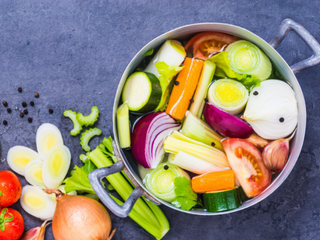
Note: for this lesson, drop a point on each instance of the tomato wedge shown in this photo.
(246, 162)
(206, 44)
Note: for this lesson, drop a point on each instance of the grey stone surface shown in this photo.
(69, 51)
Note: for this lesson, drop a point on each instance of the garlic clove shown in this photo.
(36, 233)
(257, 141)
(275, 154)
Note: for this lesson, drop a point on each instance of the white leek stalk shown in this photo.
(247, 58)
(178, 142)
(198, 130)
(193, 164)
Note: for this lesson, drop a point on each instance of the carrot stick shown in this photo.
(213, 181)
(185, 87)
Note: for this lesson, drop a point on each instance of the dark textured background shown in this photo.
(70, 51)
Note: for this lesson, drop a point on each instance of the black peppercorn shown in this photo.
(191, 100)
(50, 111)
(281, 119)
(176, 83)
(25, 111)
(166, 167)
(30, 120)
(9, 110)
(213, 144)
(36, 95)
(24, 104)
(31, 103)
(206, 99)
(21, 115)
(5, 104)
(5, 122)
(19, 89)
(255, 93)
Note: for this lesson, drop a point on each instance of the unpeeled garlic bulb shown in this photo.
(272, 110)
(275, 154)
(36, 233)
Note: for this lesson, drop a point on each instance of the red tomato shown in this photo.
(11, 224)
(206, 44)
(246, 162)
(10, 188)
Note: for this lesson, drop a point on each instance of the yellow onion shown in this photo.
(36, 233)
(79, 218)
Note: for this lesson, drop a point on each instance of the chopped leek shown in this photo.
(201, 92)
(247, 58)
(178, 142)
(193, 164)
(123, 125)
(86, 137)
(198, 130)
(228, 95)
(160, 181)
(142, 171)
(77, 128)
(90, 119)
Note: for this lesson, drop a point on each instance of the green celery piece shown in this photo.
(93, 196)
(149, 53)
(224, 70)
(90, 119)
(110, 187)
(84, 158)
(86, 137)
(186, 198)
(120, 184)
(77, 128)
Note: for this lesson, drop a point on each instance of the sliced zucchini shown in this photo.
(222, 200)
(142, 92)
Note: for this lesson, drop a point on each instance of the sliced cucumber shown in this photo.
(222, 200)
(123, 125)
(142, 92)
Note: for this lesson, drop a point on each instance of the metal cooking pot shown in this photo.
(126, 161)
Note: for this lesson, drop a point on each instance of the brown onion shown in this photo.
(36, 233)
(80, 218)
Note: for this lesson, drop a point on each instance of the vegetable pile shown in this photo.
(215, 123)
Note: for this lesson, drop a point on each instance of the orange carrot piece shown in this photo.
(213, 181)
(183, 92)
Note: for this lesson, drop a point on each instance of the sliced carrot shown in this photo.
(185, 87)
(213, 181)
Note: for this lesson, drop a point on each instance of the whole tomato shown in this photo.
(11, 224)
(10, 188)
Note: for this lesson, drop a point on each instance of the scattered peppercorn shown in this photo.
(50, 111)
(24, 104)
(36, 95)
(176, 83)
(5, 122)
(213, 144)
(5, 104)
(25, 111)
(21, 115)
(281, 119)
(9, 110)
(166, 167)
(31, 103)
(30, 120)
(191, 100)
(19, 89)
(206, 99)
(255, 93)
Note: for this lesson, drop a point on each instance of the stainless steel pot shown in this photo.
(126, 161)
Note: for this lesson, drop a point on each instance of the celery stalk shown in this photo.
(121, 185)
(123, 125)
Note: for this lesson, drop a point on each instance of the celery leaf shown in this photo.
(186, 198)
(149, 53)
(168, 71)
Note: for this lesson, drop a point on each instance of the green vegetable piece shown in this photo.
(123, 126)
(186, 198)
(90, 119)
(86, 137)
(110, 187)
(84, 158)
(77, 128)
(149, 53)
(4, 220)
(222, 201)
(93, 196)
(0, 193)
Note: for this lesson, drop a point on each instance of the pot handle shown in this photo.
(286, 26)
(97, 175)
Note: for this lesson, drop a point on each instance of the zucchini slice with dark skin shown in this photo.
(222, 200)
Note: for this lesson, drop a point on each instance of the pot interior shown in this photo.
(184, 33)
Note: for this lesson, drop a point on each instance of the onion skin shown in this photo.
(225, 123)
(79, 218)
(257, 141)
(275, 155)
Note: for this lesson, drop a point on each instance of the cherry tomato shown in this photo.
(11, 224)
(206, 44)
(10, 188)
(246, 162)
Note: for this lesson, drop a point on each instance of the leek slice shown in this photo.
(193, 164)
(198, 130)
(228, 95)
(123, 125)
(178, 142)
(247, 58)
(160, 181)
